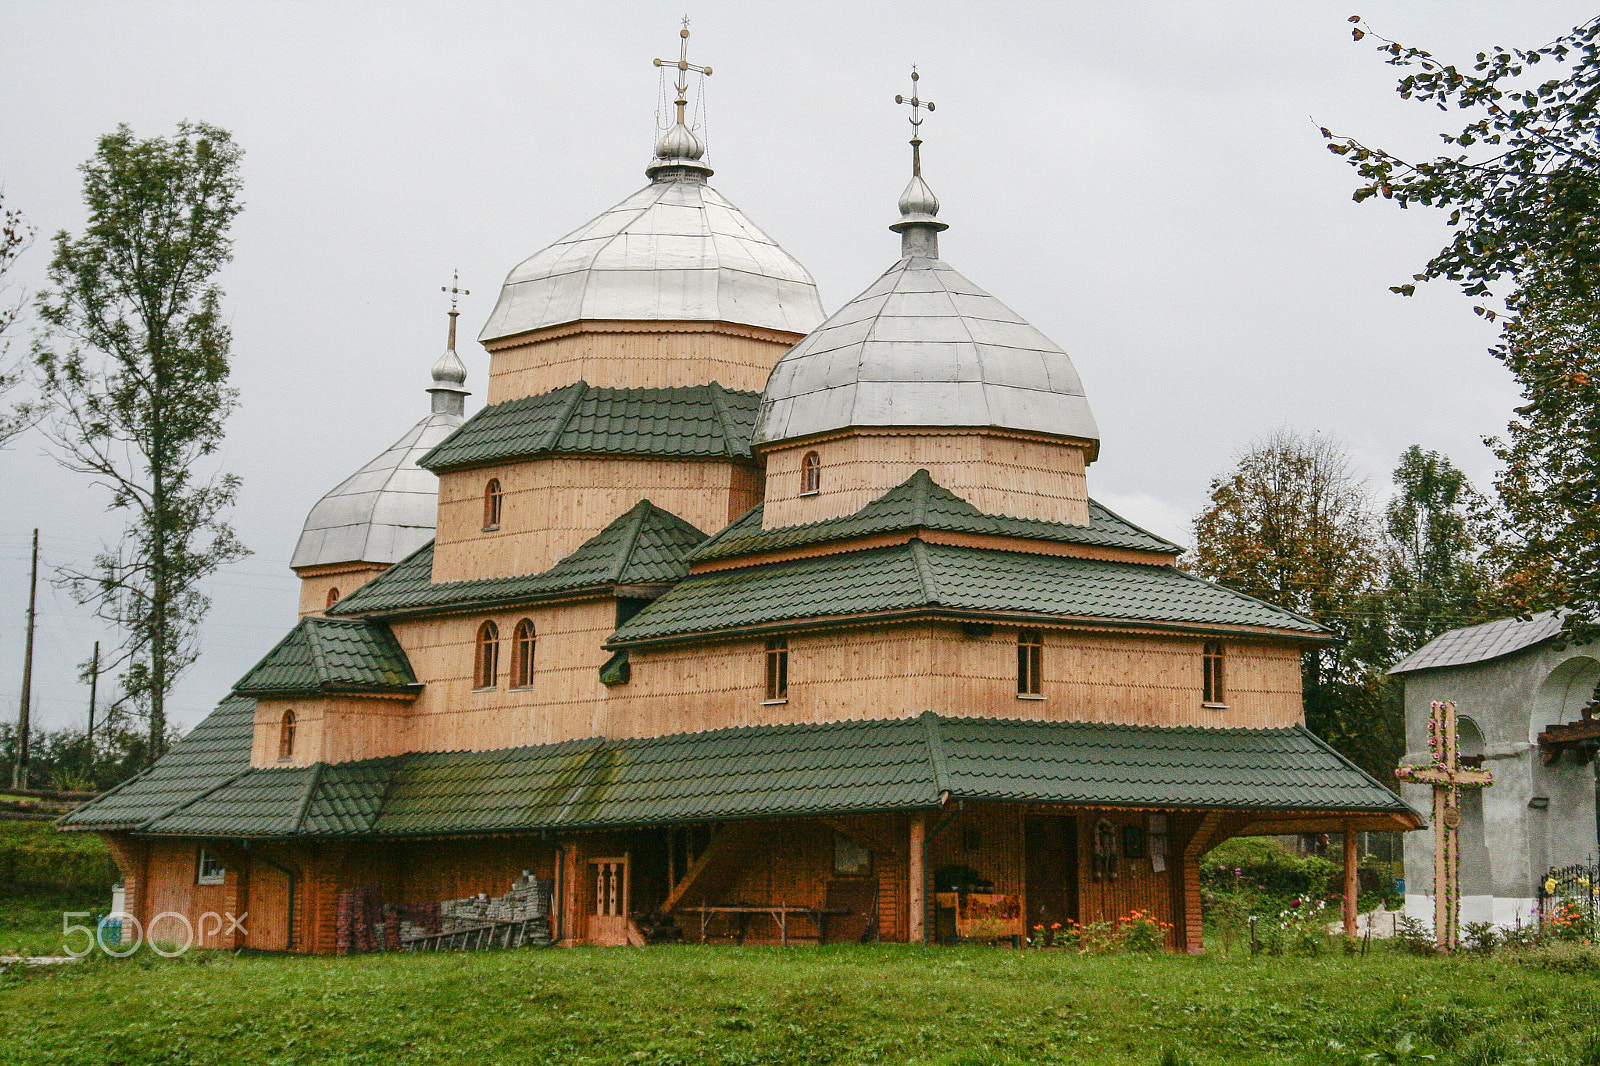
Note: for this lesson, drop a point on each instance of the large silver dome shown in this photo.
(924, 347)
(675, 250)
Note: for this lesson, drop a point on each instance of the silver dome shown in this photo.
(383, 512)
(676, 250)
(924, 347)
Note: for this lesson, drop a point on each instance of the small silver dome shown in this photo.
(924, 347)
(383, 512)
(676, 250)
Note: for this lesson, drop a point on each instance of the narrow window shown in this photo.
(810, 474)
(522, 655)
(492, 497)
(333, 595)
(286, 737)
(209, 869)
(1214, 691)
(488, 658)
(1030, 662)
(777, 670)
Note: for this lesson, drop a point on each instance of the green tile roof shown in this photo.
(919, 502)
(916, 577)
(327, 655)
(212, 753)
(645, 546)
(778, 771)
(693, 422)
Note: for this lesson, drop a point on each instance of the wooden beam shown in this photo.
(917, 877)
(728, 839)
(1352, 882)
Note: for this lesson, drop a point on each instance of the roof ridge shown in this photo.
(931, 735)
(925, 578)
(319, 658)
(714, 392)
(552, 437)
(305, 801)
(631, 540)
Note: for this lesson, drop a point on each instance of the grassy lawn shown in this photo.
(845, 1004)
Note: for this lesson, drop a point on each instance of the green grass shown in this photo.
(31, 925)
(748, 1006)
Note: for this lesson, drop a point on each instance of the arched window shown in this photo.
(487, 674)
(286, 737)
(1030, 663)
(522, 655)
(810, 474)
(777, 670)
(1215, 693)
(492, 499)
(333, 595)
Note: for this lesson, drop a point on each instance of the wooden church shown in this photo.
(728, 619)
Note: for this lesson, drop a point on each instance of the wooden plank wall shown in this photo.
(643, 355)
(552, 506)
(314, 587)
(1137, 885)
(998, 474)
(332, 730)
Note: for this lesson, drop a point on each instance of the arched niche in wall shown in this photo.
(1562, 695)
(1477, 870)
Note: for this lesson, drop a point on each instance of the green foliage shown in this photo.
(36, 858)
(1525, 189)
(61, 759)
(133, 372)
(1271, 869)
(1562, 956)
(1414, 937)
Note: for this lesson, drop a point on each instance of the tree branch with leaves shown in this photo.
(133, 370)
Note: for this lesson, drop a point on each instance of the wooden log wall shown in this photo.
(998, 473)
(551, 506)
(635, 355)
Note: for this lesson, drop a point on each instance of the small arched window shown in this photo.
(810, 474)
(286, 737)
(522, 655)
(492, 499)
(333, 595)
(487, 672)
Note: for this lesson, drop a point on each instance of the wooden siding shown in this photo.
(996, 473)
(316, 581)
(335, 729)
(635, 355)
(551, 506)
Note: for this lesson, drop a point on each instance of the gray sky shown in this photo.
(1142, 181)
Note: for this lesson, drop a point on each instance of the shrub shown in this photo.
(1413, 936)
(35, 857)
(1266, 867)
(1562, 956)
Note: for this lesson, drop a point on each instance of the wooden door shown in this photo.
(609, 882)
(267, 921)
(1051, 848)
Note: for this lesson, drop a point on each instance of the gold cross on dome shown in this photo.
(916, 120)
(455, 289)
(684, 67)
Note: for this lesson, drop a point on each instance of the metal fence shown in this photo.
(1571, 888)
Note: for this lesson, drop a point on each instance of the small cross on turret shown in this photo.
(684, 67)
(916, 121)
(455, 290)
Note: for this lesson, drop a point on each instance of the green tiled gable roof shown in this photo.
(916, 577)
(212, 753)
(919, 502)
(690, 422)
(645, 546)
(326, 655)
(777, 771)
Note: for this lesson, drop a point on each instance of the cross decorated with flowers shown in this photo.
(1448, 777)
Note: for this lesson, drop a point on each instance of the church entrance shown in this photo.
(1050, 845)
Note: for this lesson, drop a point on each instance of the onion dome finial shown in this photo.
(678, 150)
(919, 225)
(450, 373)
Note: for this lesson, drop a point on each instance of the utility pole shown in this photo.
(94, 684)
(19, 776)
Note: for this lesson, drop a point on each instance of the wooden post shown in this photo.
(1352, 883)
(917, 876)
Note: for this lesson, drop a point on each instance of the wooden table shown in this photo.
(780, 914)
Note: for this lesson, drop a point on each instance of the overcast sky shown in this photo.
(1142, 181)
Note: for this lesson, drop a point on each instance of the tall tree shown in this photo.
(1292, 525)
(133, 371)
(1438, 538)
(15, 236)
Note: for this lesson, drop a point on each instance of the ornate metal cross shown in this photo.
(684, 67)
(455, 290)
(916, 121)
(1448, 777)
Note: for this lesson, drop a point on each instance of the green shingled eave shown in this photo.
(645, 546)
(688, 422)
(327, 655)
(786, 771)
(919, 502)
(920, 578)
(212, 753)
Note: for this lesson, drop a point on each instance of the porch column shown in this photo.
(1352, 883)
(917, 875)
